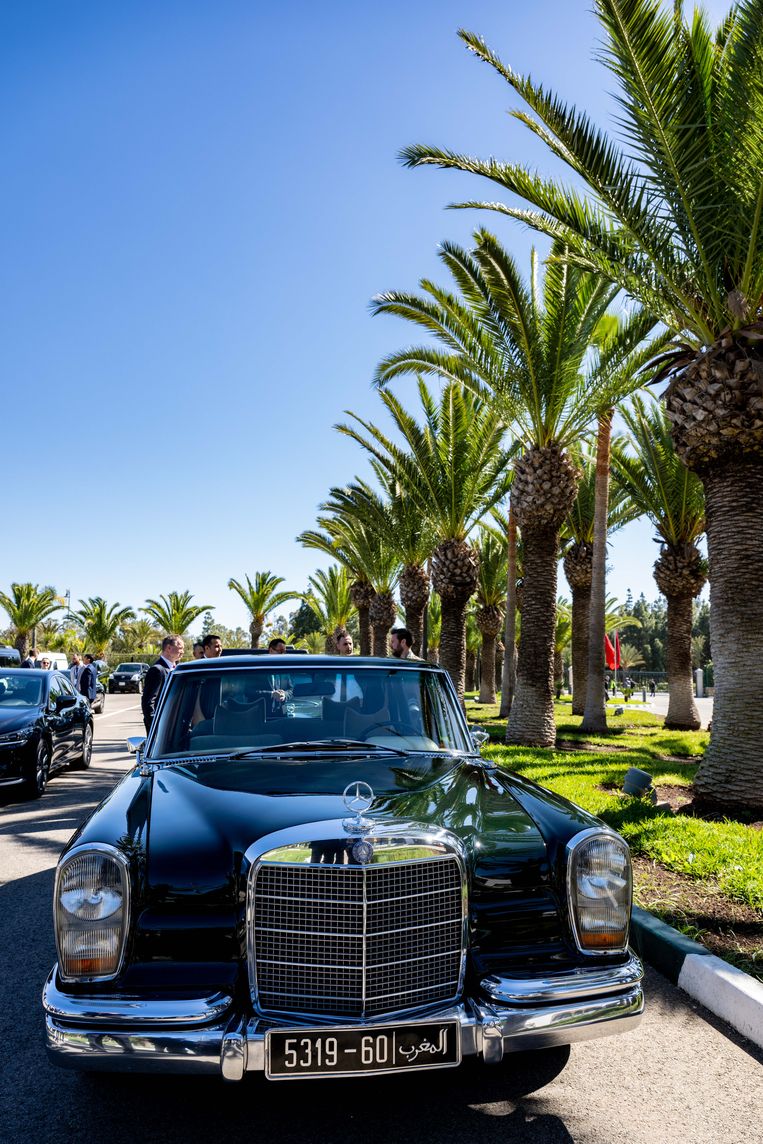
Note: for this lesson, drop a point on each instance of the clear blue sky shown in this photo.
(199, 200)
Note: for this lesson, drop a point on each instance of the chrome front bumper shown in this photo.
(206, 1035)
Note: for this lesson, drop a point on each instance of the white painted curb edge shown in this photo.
(726, 991)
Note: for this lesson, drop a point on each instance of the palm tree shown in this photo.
(140, 635)
(509, 671)
(330, 599)
(101, 622)
(174, 613)
(261, 598)
(675, 218)
(396, 518)
(434, 628)
(355, 519)
(455, 471)
(50, 636)
(562, 640)
(491, 598)
(631, 657)
(351, 549)
(473, 640)
(671, 496)
(577, 545)
(527, 347)
(28, 605)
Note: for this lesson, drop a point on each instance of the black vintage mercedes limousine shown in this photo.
(312, 872)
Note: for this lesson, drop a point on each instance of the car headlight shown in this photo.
(135, 678)
(599, 889)
(92, 902)
(16, 738)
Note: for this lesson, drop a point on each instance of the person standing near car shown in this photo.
(75, 670)
(88, 679)
(213, 646)
(172, 652)
(31, 659)
(400, 641)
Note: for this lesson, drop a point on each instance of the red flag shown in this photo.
(617, 650)
(609, 653)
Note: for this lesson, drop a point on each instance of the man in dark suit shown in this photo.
(88, 679)
(172, 652)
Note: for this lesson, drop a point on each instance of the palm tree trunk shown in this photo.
(595, 714)
(255, 631)
(487, 669)
(558, 673)
(414, 596)
(581, 618)
(682, 710)
(509, 674)
(531, 722)
(730, 773)
(22, 643)
(469, 674)
(453, 639)
(499, 658)
(364, 626)
(382, 615)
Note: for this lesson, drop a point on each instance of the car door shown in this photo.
(63, 721)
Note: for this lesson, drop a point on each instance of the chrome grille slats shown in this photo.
(355, 942)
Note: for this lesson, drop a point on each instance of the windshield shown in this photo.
(20, 690)
(210, 712)
(129, 667)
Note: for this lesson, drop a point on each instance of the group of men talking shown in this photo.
(211, 647)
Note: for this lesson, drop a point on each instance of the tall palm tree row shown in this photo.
(674, 217)
(671, 496)
(101, 622)
(525, 346)
(453, 467)
(260, 597)
(353, 548)
(27, 606)
(174, 613)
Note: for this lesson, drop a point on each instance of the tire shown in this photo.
(34, 787)
(83, 762)
(102, 704)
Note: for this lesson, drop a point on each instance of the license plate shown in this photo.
(122, 684)
(296, 1053)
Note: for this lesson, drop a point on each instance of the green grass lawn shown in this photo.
(725, 855)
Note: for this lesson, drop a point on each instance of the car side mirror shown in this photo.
(64, 701)
(479, 737)
(135, 743)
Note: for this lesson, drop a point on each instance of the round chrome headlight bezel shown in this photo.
(92, 920)
(619, 881)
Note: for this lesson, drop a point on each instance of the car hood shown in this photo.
(212, 812)
(16, 718)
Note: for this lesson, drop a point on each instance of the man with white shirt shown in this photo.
(172, 653)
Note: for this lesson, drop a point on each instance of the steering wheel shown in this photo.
(400, 729)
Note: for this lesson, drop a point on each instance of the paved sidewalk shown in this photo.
(658, 705)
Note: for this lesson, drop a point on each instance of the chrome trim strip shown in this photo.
(573, 845)
(122, 1009)
(564, 986)
(124, 869)
(390, 835)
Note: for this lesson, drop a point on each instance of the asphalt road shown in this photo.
(681, 1076)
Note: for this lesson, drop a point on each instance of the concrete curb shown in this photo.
(726, 991)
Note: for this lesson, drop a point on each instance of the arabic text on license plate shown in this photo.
(344, 1051)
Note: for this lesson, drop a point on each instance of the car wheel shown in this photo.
(102, 703)
(35, 785)
(83, 762)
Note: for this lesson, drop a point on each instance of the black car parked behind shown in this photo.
(44, 725)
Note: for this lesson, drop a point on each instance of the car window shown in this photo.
(129, 667)
(218, 711)
(22, 690)
(54, 692)
(65, 686)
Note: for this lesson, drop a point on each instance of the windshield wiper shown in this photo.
(354, 745)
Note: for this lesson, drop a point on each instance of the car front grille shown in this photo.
(353, 941)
